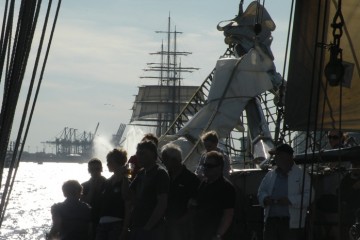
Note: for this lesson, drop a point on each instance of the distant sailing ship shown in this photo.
(157, 106)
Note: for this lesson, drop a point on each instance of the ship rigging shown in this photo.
(157, 106)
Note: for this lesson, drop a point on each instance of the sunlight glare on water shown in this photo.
(37, 187)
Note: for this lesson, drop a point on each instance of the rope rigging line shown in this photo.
(14, 164)
(212, 117)
(13, 80)
(308, 132)
(279, 135)
(334, 63)
(257, 25)
(5, 34)
(29, 11)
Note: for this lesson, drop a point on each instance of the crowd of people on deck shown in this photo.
(159, 199)
(153, 196)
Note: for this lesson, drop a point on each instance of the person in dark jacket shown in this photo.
(150, 193)
(92, 190)
(183, 186)
(115, 202)
(215, 201)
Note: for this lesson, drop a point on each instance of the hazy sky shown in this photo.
(100, 48)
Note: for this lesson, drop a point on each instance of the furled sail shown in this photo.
(314, 103)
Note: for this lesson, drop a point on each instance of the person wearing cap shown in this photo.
(285, 196)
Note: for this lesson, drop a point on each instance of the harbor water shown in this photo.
(37, 187)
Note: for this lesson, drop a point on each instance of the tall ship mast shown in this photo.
(157, 106)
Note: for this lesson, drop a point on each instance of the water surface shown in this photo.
(37, 187)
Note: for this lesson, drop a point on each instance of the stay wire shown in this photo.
(30, 28)
(4, 23)
(29, 95)
(311, 95)
(5, 33)
(40, 79)
(218, 105)
(11, 88)
(280, 135)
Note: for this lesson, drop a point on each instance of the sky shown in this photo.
(100, 48)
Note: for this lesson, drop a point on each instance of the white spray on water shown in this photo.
(102, 146)
(132, 137)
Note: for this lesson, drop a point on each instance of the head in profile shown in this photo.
(95, 167)
(336, 138)
(151, 137)
(171, 156)
(284, 157)
(146, 153)
(210, 140)
(116, 159)
(72, 189)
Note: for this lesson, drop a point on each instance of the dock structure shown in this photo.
(72, 143)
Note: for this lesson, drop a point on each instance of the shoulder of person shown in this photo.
(296, 169)
(162, 172)
(57, 207)
(85, 205)
(228, 183)
(126, 181)
(161, 169)
(189, 176)
(220, 150)
(108, 181)
(192, 175)
(272, 172)
(85, 184)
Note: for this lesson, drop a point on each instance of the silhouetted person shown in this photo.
(133, 159)
(183, 186)
(150, 190)
(92, 190)
(115, 201)
(71, 218)
(215, 201)
(336, 139)
(211, 140)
